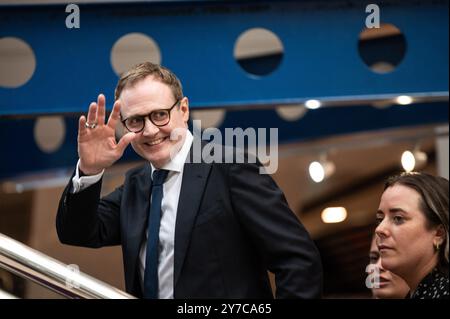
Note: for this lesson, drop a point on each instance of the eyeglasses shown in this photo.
(159, 118)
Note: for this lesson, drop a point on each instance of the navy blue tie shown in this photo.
(154, 220)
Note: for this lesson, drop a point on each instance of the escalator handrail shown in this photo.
(64, 279)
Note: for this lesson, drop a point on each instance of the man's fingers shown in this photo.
(92, 114)
(115, 115)
(81, 125)
(101, 101)
(125, 140)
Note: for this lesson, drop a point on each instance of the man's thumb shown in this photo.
(125, 140)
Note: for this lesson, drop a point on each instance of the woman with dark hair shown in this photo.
(412, 232)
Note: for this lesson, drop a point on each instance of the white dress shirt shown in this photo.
(169, 206)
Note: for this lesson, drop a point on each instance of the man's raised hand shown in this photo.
(97, 147)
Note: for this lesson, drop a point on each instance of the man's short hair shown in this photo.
(141, 71)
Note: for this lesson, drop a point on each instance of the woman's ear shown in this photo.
(439, 237)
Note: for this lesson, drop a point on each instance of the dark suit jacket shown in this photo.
(233, 224)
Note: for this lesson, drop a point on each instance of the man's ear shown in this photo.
(184, 107)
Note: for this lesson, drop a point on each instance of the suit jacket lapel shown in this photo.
(195, 176)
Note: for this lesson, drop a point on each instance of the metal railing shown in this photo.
(64, 279)
(6, 295)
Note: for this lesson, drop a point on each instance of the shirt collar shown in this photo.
(176, 164)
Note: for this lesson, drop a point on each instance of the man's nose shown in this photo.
(150, 129)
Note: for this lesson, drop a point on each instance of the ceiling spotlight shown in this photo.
(408, 161)
(334, 215)
(321, 170)
(413, 160)
(316, 171)
(404, 100)
(313, 104)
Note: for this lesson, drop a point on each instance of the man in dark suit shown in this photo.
(188, 229)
